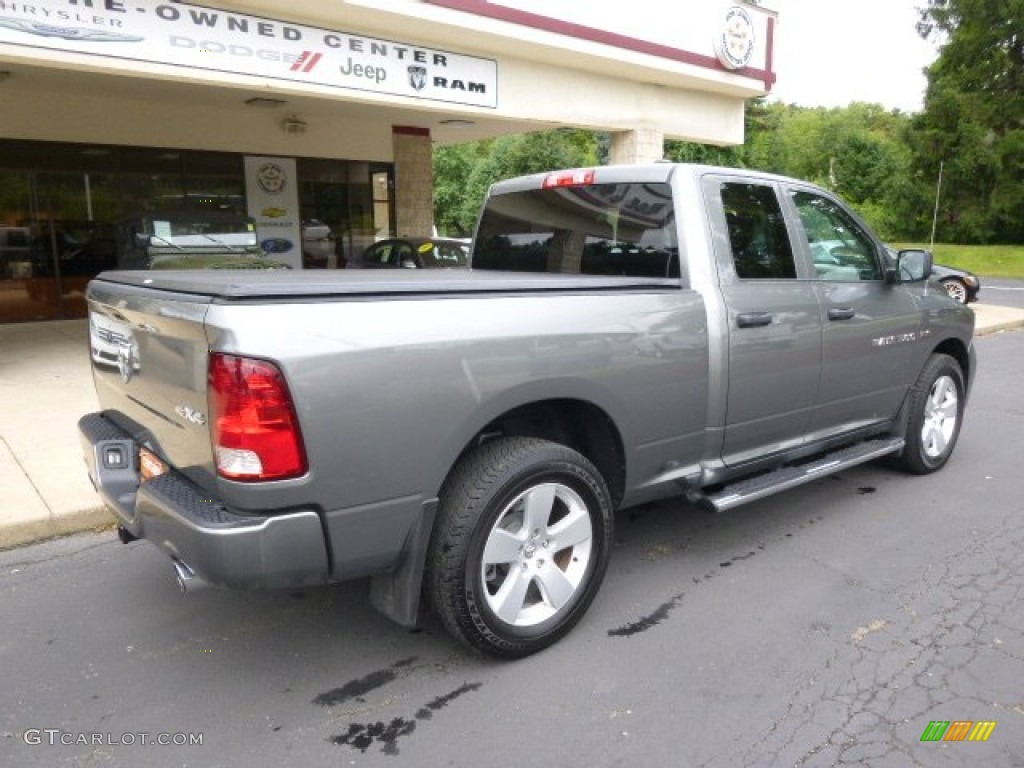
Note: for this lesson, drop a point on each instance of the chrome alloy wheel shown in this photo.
(536, 555)
(940, 415)
(956, 290)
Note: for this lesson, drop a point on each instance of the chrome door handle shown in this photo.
(753, 319)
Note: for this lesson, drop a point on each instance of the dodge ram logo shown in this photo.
(418, 77)
(127, 361)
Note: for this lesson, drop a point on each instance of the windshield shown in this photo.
(187, 240)
(200, 226)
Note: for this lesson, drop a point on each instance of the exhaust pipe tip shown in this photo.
(187, 579)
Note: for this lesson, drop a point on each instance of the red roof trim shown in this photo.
(410, 130)
(769, 64)
(594, 35)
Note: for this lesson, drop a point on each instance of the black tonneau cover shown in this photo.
(238, 284)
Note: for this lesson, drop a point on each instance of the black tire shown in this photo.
(532, 518)
(936, 407)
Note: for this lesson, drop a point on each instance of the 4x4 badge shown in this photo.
(190, 415)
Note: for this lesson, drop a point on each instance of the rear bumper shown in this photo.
(221, 545)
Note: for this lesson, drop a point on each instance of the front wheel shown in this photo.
(520, 547)
(936, 410)
(956, 290)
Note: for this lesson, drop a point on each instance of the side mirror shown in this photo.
(913, 265)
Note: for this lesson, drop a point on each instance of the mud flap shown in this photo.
(396, 594)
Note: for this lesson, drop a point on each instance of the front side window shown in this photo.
(378, 254)
(597, 229)
(757, 232)
(841, 250)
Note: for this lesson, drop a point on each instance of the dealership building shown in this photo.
(317, 119)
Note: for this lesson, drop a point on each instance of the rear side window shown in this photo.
(757, 232)
(599, 229)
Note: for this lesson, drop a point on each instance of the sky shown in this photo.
(829, 53)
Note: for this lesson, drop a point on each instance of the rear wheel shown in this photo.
(936, 411)
(520, 547)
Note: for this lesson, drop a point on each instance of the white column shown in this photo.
(640, 145)
(414, 181)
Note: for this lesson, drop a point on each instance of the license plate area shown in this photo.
(151, 465)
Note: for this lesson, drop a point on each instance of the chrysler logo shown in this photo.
(66, 33)
(271, 178)
(734, 42)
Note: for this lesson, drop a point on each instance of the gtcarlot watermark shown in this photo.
(54, 736)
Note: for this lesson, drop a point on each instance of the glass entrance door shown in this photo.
(80, 211)
(56, 233)
(27, 282)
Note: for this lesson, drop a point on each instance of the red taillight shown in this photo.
(569, 179)
(255, 431)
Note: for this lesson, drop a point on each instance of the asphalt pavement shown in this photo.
(1003, 292)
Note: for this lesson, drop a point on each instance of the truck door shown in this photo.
(773, 317)
(866, 322)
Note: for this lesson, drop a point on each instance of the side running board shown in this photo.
(784, 478)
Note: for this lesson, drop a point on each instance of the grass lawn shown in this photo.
(983, 260)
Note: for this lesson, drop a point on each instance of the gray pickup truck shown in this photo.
(625, 334)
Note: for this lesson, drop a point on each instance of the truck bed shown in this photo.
(261, 284)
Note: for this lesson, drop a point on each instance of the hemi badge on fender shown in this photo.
(900, 338)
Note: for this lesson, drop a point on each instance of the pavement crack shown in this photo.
(28, 477)
(55, 558)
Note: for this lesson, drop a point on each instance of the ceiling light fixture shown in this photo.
(264, 102)
(293, 124)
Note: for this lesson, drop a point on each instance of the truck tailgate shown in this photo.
(149, 361)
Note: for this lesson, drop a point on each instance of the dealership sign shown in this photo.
(193, 36)
(272, 196)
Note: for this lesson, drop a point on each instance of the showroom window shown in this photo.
(65, 212)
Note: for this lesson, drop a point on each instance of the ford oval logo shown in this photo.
(276, 245)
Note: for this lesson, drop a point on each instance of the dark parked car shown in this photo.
(415, 253)
(959, 283)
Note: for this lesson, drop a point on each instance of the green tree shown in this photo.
(973, 120)
(452, 167)
(463, 173)
(858, 151)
